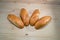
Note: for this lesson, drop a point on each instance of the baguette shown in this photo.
(34, 17)
(42, 22)
(24, 16)
(15, 20)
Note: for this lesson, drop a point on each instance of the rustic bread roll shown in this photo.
(42, 22)
(15, 20)
(34, 17)
(24, 16)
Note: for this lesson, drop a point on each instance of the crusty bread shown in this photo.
(42, 22)
(34, 17)
(15, 20)
(24, 16)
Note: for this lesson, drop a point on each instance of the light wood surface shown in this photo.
(9, 32)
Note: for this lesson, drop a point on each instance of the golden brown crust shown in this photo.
(34, 17)
(16, 21)
(42, 22)
(24, 16)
